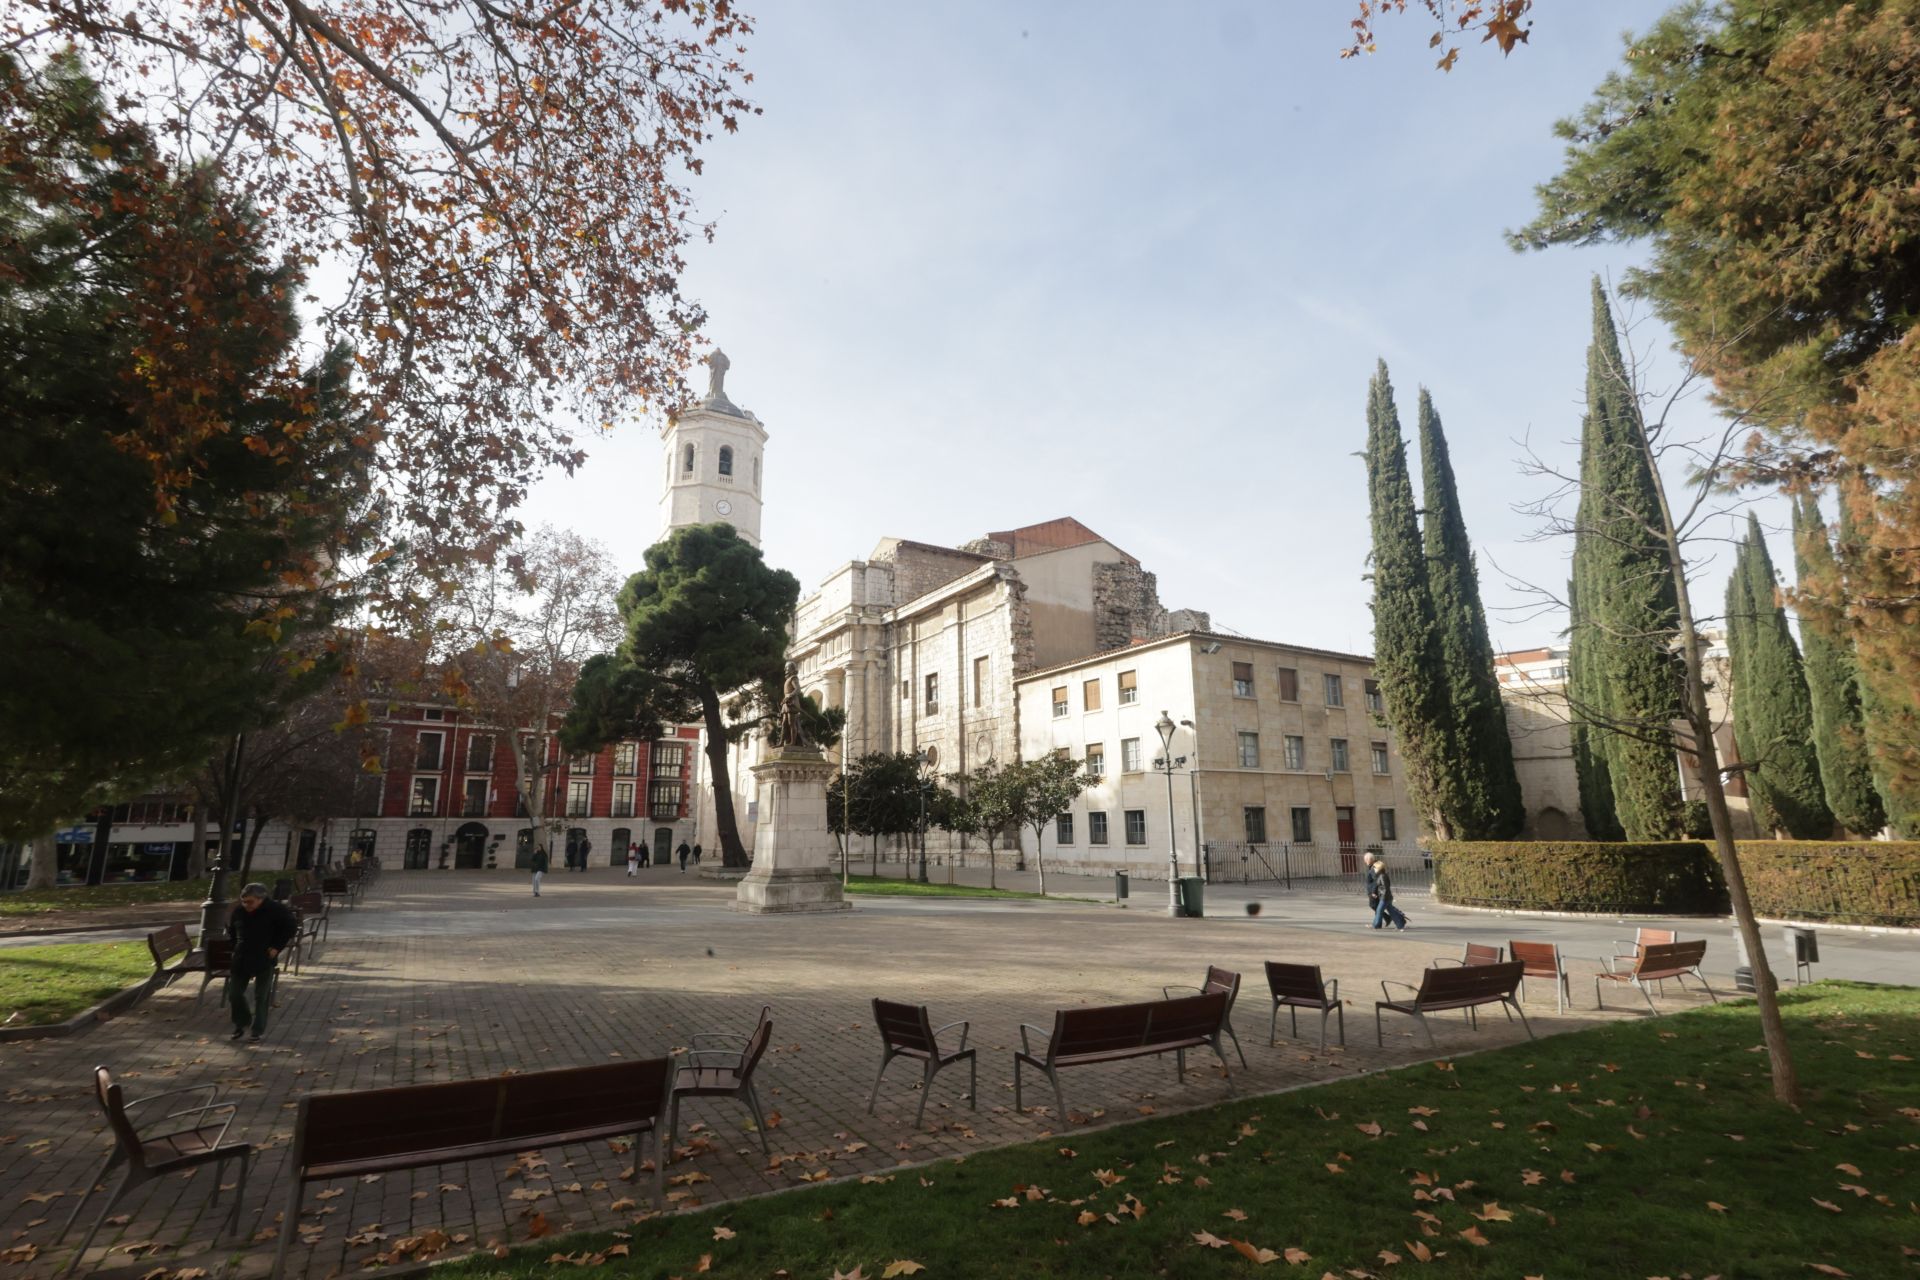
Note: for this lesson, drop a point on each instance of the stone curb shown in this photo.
(86, 1020)
(1897, 930)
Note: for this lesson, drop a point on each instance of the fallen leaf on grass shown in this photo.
(1493, 1213)
(1828, 1205)
(855, 1274)
(1238, 1215)
(1087, 1218)
(1532, 1177)
(1844, 1168)
(1716, 1206)
(723, 1233)
(1419, 1250)
(1423, 1111)
(1334, 1168)
(1108, 1177)
(1371, 1128)
(901, 1267)
(1254, 1253)
(1388, 1258)
(1206, 1238)
(705, 1263)
(1472, 1236)
(1297, 1256)
(1068, 1152)
(1826, 1270)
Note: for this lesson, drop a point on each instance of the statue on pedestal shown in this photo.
(790, 732)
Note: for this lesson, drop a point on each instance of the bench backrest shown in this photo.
(1296, 982)
(113, 1104)
(1107, 1028)
(372, 1124)
(757, 1044)
(1482, 953)
(904, 1026)
(219, 955)
(310, 902)
(333, 886)
(1541, 959)
(354, 871)
(1654, 937)
(1226, 980)
(168, 943)
(1470, 982)
(1671, 957)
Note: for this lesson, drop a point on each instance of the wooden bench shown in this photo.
(333, 887)
(1475, 953)
(1111, 1033)
(907, 1031)
(1656, 963)
(1465, 988)
(1218, 979)
(174, 954)
(349, 1135)
(1542, 960)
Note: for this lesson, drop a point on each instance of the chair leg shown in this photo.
(1017, 1108)
(1379, 1037)
(759, 1120)
(1562, 993)
(1273, 1026)
(289, 1225)
(1523, 1022)
(926, 1087)
(1599, 1002)
(659, 1170)
(99, 1219)
(1236, 1044)
(1649, 995)
(875, 1096)
(1340, 1012)
(1180, 1065)
(973, 1081)
(673, 1129)
(106, 1167)
(233, 1217)
(1225, 1070)
(1293, 1021)
(1059, 1098)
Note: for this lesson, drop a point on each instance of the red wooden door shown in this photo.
(1349, 851)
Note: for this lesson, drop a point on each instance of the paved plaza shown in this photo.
(442, 976)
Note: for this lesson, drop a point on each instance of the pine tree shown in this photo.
(1406, 645)
(1833, 683)
(1584, 690)
(1629, 611)
(1484, 784)
(1889, 705)
(1772, 710)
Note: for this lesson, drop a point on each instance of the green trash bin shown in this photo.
(1193, 896)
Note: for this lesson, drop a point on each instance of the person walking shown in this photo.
(684, 853)
(586, 848)
(259, 928)
(539, 865)
(696, 856)
(646, 854)
(633, 861)
(1380, 882)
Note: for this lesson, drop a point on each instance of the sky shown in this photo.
(979, 266)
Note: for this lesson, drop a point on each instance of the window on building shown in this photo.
(427, 753)
(581, 763)
(686, 461)
(1389, 825)
(1249, 751)
(906, 691)
(1302, 825)
(426, 798)
(726, 460)
(623, 799)
(756, 473)
(1096, 828)
(1090, 695)
(1097, 760)
(626, 761)
(1375, 703)
(1336, 692)
(933, 694)
(1289, 684)
(579, 797)
(1063, 829)
(1059, 701)
(1379, 757)
(1296, 752)
(1136, 826)
(1339, 746)
(1255, 817)
(1129, 755)
(663, 800)
(1129, 688)
(1243, 679)
(480, 753)
(980, 669)
(669, 757)
(476, 798)
(433, 713)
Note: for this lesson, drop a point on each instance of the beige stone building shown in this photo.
(1278, 751)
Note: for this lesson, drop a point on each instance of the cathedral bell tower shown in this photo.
(713, 461)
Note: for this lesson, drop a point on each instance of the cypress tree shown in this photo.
(1406, 649)
(1584, 691)
(1630, 610)
(1772, 710)
(1833, 683)
(1889, 708)
(1484, 784)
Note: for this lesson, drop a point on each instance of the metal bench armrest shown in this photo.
(965, 1030)
(698, 1055)
(1440, 960)
(1331, 992)
(1166, 993)
(1387, 982)
(698, 1036)
(1046, 1037)
(211, 1090)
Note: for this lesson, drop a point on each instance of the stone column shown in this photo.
(792, 848)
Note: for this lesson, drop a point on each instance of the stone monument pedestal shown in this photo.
(792, 848)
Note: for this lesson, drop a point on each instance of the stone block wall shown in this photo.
(1127, 608)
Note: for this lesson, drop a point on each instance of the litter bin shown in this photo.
(1119, 885)
(1193, 896)
(1803, 945)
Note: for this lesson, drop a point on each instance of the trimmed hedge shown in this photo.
(1846, 882)
(1677, 878)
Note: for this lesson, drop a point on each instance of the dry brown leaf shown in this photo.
(1472, 1236)
(1419, 1250)
(625, 1202)
(1492, 1212)
(1087, 1218)
(1371, 1128)
(1334, 1168)
(1828, 1205)
(1254, 1253)
(1388, 1258)
(1532, 1177)
(855, 1274)
(1208, 1239)
(1297, 1256)
(1716, 1206)
(1423, 1111)
(1848, 1169)
(1108, 1177)
(1238, 1215)
(1826, 1270)
(537, 1226)
(902, 1267)
(723, 1233)
(705, 1263)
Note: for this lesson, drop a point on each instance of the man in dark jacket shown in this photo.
(684, 853)
(259, 929)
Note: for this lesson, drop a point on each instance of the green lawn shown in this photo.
(39, 985)
(1640, 1149)
(883, 885)
(28, 902)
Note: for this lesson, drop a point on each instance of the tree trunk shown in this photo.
(197, 855)
(532, 781)
(732, 852)
(253, 842)
(993, 864)
(44, 873)
(1040, 861)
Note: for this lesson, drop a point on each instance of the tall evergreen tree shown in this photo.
(1584, 687)
(1889, 707)
(1406, 645)
(1629, 608)
(1772, 710)
(1833, 683)
(1484, 785)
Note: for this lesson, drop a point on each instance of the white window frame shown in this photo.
(1249, 759)
(1339, 755)
(1131, 759)
(1294, 753)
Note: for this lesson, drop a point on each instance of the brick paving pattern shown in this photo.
(445, 976)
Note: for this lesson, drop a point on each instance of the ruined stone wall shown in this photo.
(1127, 608)
(918, 569)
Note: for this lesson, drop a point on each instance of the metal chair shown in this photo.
(1218, 979)
(906, 1031)
(724, 1081)
(1476, 953)
(1299, 986)
(150, 1156)
(1542, 960)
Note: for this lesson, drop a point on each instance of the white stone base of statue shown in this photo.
(792, 849)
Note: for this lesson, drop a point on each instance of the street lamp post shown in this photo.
(920, 788)
(1193, 794)
(1164, 726)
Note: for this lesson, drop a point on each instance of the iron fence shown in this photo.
(1319, 868)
